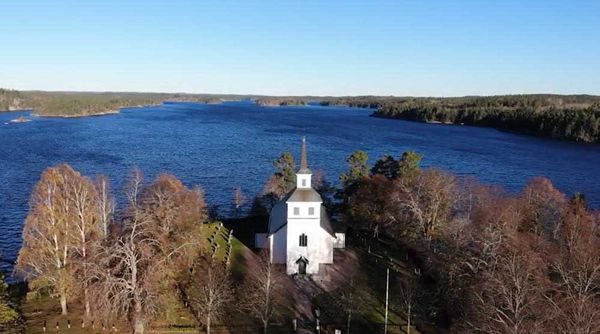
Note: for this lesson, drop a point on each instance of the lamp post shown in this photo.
(387, 290)
(318, 313)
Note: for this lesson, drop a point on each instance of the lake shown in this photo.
(223, 146)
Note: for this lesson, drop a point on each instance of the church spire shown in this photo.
(303, 160)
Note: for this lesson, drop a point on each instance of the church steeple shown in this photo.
(303, 176)
(303, 160)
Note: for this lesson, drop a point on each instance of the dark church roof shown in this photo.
(325, 222)
(303, 195)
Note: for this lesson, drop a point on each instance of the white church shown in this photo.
(300, 233)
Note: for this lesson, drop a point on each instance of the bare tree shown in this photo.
(45, 254)
(238, 200)
(427, 200)
(106, 203)
(510, 297)
(134, 186)
(177, 214)
(349, 302)
(128, 275)
(576, 298)
(263, 292)
(543, 207)
(87, 228)
(157, 233)
(408, 292)
(209, 292)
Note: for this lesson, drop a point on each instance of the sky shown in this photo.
(306, 47)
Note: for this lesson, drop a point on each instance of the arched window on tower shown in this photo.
(303, 240)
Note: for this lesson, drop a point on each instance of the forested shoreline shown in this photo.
(81, 104)
(568, 117)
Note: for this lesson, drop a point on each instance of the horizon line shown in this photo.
(297, 96)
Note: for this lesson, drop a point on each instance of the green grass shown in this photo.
(48, 309)
(370, 285)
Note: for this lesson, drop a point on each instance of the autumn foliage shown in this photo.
(76, 245)
(493, 262)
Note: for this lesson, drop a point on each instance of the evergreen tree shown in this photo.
(7, 313)
(357, 168)
(386, 166)
(286, 170)
(409, 164)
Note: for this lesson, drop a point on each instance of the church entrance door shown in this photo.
(302, 268)
(302, 265)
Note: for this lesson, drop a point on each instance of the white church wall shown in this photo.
(327, 251)
(303, 210)
(340, 240)
(319, 248)
(278, 246)
(303, 181)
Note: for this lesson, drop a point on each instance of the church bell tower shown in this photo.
(303, 176)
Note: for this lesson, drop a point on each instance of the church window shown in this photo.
(304, 182)
(311, 211)
(296, 211)
(303, 240)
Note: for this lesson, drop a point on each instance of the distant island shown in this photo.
(281, 101)
(81, 104)
(569, 117)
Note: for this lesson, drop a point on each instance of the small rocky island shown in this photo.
(21, 119)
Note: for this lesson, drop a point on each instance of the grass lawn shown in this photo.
(48, 309)
(369, 289)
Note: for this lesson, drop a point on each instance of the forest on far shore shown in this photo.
(569, 117)
(78, 104)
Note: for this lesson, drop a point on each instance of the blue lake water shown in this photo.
(230, 145)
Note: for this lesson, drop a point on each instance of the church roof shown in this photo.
(303, 195)
(278, 216)
(325, 222)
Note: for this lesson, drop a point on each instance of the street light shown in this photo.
(318, 314)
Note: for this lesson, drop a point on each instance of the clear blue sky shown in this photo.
(416, 47)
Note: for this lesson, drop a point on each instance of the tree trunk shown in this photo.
(265, 325)
(348, 323)
(139, 326)
(63, 304)
(87, 302)
(207, 324)
(409, 316)
(138, 321)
